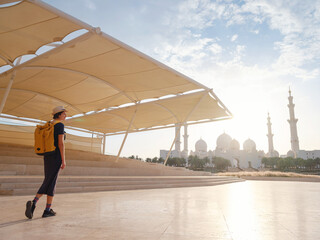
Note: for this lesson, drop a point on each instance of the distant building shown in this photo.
(201, 150)
(249, 156)
(295, 149)
(173, 154)
(293, 126)
(308, 154)
(271, 152)
(229, 148)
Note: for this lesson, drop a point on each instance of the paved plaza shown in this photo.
(257, 210)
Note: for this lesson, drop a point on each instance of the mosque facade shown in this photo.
(248, 156)
(228, 148)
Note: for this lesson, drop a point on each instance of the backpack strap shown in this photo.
(55, 122)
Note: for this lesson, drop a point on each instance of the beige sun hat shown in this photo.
(58, 109)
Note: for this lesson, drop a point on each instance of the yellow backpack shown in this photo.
(44, 139)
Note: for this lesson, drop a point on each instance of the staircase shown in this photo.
(28, 185)
(21, 173)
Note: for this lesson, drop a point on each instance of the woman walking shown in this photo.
(52, 165)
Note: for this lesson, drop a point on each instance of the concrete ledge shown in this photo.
(25, 185)
(293, 179)
(21, 160)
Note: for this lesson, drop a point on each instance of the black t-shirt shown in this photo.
(58, 129)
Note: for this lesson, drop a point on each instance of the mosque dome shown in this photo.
(249, 145)
(290, 153)
(201, 146)
(234, 145)
(223, 141)
(275, 153)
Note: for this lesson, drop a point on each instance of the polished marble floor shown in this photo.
(257, 210)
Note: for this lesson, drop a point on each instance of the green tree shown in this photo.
(317, 160)
(265, 161)
(176, 162)
(195, 163)
(310, 164)
(221, 164)
(153, 160)
(161, 160)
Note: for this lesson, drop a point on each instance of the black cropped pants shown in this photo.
(52, 164)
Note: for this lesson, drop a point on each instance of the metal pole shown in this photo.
(6, 93)
(185, 120)
(175, 138)
(48, 53)
(125, 137)
(104, 144)
(219, 101)
(195, 107)
(91, 140)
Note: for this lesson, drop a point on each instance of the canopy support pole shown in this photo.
(91, 140)
(6, 93)
(174, 140)
(185, 120)
(104, 144)
(219, 101)
(125, 136)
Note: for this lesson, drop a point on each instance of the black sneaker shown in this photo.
(30, 206)
(49, 213)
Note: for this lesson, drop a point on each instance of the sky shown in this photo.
(249, 52)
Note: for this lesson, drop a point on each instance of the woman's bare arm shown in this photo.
(62, 151)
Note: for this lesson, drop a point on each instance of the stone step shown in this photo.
(34, 186)
(26, 169)
(122, 163)
(74, 187)
(83, 163)
(24, 185)
(38, 179)
(25, 151)
(6, 173)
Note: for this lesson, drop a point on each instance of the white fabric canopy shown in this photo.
(185, 108)
(27, 26)
(91, 73)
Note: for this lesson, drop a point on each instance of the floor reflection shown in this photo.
(271, 210)
(251, 210)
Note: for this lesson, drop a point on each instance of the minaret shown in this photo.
(178, 142)
(270, 137)
(185, 140)
(293, 126)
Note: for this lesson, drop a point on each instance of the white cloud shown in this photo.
(234, 37)
(298, 22)
(197, 14)
(248, 90)
(90, 4)
(215, 48)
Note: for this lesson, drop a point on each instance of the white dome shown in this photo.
(234, 145)
(223, 141)
(275, 153)
(290, 153)
(201, 146)
(249, 145)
